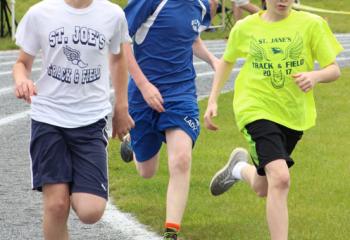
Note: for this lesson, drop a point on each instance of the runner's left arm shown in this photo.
(307, 80)
(202, 52)
(213, 7)
(24, 86)
(121, 121)
(221, 76)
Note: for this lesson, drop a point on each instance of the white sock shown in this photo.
(236, 171)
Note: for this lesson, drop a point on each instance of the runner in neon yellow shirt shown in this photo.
(273, 98)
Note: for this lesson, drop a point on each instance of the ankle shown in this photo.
(172, 227)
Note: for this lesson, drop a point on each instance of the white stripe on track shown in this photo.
(10, 72)
(6, 90)
(12, 118)
(39, 60)
(127, 224)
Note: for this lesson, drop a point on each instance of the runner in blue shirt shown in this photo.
(162, 91)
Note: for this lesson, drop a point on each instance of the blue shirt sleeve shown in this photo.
(137, 12)
(207, 19)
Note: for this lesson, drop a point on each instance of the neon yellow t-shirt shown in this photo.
(264, 88)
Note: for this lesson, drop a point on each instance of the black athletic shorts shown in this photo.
(269, 141)
(75, 156)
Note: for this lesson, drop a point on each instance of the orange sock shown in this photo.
(173, 226)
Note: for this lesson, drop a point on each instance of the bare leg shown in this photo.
(251, 8)
(179, 160)
(88, 207)
(147, 169)
(256, 182)
(276, 205)
(56, 211)
(237, 12)
(275, 186)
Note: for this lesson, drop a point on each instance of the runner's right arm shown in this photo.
(137, 12)
(149, 92)
(221, 76)
(24, 86)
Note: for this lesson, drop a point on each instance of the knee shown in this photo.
(59, 208)
(261, 192)
(280, 181)
(146, 174)
(181, 163)
(147, 169)
(90, 215)
(260, 189)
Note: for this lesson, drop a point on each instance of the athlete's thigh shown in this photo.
(178, 141)
(88, 146)
(146, 139)
(182, 115)
(50, 156)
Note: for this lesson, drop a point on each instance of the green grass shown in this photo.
(319, 195)
(7, 44)
(338, 23)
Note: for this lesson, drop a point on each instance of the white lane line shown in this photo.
(6, 90)
(9, 57)
(9, 52)
(39, 60)
(127, 224)
(343, 59)
(13, 118)
(210, 73)
(10, 72)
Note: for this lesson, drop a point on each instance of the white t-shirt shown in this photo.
(73, 88)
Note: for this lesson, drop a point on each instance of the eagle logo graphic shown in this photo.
(279, 56)
(196, 25)
(74, 56)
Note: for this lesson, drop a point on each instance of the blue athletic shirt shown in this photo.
(163, 33)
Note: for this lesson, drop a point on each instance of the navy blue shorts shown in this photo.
(150, 126)
(269, 141)
(76, 156)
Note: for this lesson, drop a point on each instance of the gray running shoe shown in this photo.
(126, 152)
(223, 180)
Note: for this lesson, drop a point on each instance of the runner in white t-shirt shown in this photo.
(70, 102)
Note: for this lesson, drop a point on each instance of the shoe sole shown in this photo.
(126, 154)
(223, 171)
